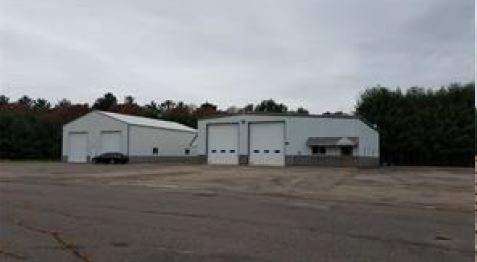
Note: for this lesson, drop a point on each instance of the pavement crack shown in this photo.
(55, 235)
(12, 255)
(70, 246)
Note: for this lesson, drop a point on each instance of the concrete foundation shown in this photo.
(243, 160)
(167, 159)
(334, 161)
(337, 161)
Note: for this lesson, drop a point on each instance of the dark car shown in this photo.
(111, 158)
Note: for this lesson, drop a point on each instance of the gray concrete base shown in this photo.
(368, 162)
(319, 161)
(336, 161)
(243, 160)
(167, 159)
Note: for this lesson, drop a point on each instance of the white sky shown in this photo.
(318, 54)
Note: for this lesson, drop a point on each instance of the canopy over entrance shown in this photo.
(332, 141)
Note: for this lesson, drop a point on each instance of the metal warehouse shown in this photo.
(140, 138)
(279, 140)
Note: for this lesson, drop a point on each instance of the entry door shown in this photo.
(222, 144)
(78, 148)
(347, 156)
(110, 142)
(267, 143)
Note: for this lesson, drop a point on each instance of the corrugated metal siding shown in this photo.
(298, 130)
(169, 142)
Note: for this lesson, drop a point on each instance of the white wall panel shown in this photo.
(110, 141)
(142, 140)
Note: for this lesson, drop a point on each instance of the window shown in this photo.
(187, 151)
(318, 150)
(314, 150)
(266, 151)
(223, 151)
(322, 150)
(214, 151)
(155, 150)
(256, 151)
(277, 151)
(232, 151)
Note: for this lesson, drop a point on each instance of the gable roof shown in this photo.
(344, 116)
(332, 141)
(149, 122)
(219, 115)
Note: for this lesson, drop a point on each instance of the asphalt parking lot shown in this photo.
(146, 212)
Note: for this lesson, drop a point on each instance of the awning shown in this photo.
(332, 141)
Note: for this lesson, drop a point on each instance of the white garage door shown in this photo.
(78, 148)
(222, 145)
(267, 144)
(110, 142)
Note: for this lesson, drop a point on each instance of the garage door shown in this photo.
(222, 144)
(78, 148)
(110, 142)
(267, 144)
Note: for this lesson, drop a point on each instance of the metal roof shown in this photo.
(219, 115)
(344, 116)
(149, 122)
(332, 141)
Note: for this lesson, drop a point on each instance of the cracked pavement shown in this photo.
(58, 212)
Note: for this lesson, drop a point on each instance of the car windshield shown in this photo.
(111, 155)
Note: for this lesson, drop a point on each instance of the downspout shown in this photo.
(127, 140)
(193, 140)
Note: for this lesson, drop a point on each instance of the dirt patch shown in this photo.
(443, 188)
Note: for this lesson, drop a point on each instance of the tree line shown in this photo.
(423, 126)
(417, 127)
(32, 128)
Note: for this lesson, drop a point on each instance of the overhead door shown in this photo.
(222, 144)
(78, 147)
(267, 142)
(110, 141)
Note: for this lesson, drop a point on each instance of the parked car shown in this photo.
(111, 158)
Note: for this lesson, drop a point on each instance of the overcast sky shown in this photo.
(320, 54)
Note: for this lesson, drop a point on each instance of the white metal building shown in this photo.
(140, 138)
(278, 140)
